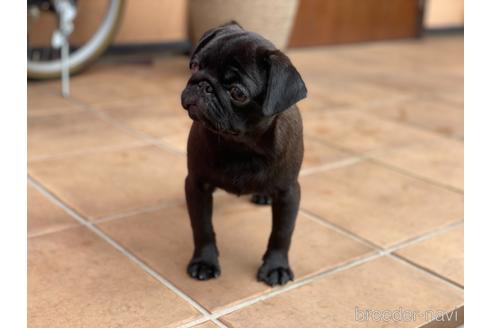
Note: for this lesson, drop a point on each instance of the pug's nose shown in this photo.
(205, 86)
(187, 99)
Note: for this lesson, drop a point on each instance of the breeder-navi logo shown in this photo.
(403, 315)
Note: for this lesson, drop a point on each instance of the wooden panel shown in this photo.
(321, 22)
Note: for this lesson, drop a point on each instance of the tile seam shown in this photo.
(104, 149)
(51, 231)
(452, 137)
(421, 268)
(416, 176)
(351, 160)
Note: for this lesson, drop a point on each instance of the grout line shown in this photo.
(143, 210)
(201, 320)
(147, 209)
(90, 151)
(77, 217)
(339, 229)
(366, 109)
(332, 166)
(299, 283)
(218, 323)
(416, 126)
(196, 322)
(414, 175)
(426, 236)
(69, 111)
(426, 270)
(50, 231)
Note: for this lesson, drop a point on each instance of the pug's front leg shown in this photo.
(275, 269)
(204, 264)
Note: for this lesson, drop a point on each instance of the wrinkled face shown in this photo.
(234, 81)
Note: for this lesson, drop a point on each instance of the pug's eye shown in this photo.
(194, 67)
(237, 94)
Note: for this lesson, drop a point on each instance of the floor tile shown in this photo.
(172, 129)
(77, 280)
(45, 100)
(432, 114)
(322, 96)
(163, 240)
(116, 68)
(106, 183)
(359, 132)
(179, 139)
(172, 84)
(43, 216)
(378, 204)
(442, 254)
(117, 87)
(350, 94)
(455, 97)
(165, 104)
(172, 73)
(316, 154)
(438, 159)
(380, 285)
(56, 135)
(433, 85)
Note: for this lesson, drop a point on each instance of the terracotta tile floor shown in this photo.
(381, 220)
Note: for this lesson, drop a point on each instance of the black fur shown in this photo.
(252, 144)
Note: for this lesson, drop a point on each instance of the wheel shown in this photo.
(84, 55)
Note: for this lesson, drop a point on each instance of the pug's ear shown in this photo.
(285, 86)
(212, 33)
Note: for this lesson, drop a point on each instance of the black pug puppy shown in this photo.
(246, 138)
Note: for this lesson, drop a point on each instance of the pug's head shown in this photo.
(239, 81)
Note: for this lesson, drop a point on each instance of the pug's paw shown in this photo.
(203, 270)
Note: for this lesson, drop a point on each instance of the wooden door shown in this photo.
(322, 22)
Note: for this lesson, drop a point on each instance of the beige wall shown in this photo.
(444, 13)
(144, 21)
(153, 21)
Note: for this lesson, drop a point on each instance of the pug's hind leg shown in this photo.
(259, 199)
(204, 264)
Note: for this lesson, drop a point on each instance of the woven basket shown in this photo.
(271, 18)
